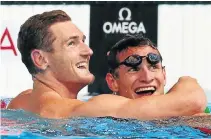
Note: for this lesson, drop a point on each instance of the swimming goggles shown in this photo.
(135, 60)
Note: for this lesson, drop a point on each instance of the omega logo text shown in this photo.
(125, 25)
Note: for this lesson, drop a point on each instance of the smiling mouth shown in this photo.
(82, 65)
(145, 91)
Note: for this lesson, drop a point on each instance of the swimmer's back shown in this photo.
(46, 104)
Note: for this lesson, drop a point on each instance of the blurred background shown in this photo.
(180, 29)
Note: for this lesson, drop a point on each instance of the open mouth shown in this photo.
(145, 90)
(82, 65)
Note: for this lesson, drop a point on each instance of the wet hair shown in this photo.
(35, 34)
(136, 40)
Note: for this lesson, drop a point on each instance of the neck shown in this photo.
(46, 83)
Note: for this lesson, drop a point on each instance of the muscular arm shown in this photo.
(186, 97)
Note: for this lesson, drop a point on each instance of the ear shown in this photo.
(112, 83)
(164, 74)
(39, 59)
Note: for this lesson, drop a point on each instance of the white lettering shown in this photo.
(109, 25)
(123, 27)
(132, 27)
(117, 28)
(141, 28)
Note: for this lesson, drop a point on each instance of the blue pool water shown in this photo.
(21, 124)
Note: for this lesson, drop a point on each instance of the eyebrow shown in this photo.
(74, 37)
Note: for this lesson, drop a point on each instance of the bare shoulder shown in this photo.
(19, 100)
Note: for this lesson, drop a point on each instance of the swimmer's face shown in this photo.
(134, 82)
(69, 60)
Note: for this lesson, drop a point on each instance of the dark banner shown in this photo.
(109, 23)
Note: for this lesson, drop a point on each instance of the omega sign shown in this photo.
(125, 25)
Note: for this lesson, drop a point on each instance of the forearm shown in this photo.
(156, 107)
(181, 100)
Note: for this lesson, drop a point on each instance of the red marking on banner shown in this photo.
(11, 47)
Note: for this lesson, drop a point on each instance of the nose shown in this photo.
(145, 75)
(86, 50)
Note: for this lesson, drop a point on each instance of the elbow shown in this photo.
(199, 101)
(201, 105)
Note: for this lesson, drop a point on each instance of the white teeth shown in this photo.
(82, 64)
(145, 89)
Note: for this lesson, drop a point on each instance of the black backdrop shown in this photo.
(110, 22)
